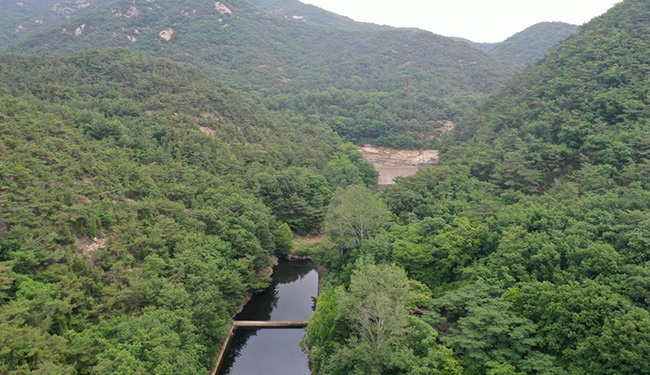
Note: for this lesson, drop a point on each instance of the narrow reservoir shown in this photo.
(275, 351)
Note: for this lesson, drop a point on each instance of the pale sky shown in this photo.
(476, 20)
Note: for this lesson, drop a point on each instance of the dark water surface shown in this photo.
(274, 351)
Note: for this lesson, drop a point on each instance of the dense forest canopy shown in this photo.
(526, 250)
(139, 202)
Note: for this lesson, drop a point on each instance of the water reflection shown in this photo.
(275, 351)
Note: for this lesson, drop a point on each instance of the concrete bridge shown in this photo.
(269, 324)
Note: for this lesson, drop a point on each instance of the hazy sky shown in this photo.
(477, 20)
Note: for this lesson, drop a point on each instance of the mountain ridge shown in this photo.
(288, 56)
(530, 44)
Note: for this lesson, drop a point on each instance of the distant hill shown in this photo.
(583, 109)
(371, 84)
(531, 44)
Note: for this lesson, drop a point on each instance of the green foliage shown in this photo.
(159, 341)
(297, 196)
(373, 321)
(348, 167)
(531, 44)
(532, 232)
(584, 104)
(439, 257)
(130, 229)
(283, 238)
(355, 215)
(139, 200)
(489, 336)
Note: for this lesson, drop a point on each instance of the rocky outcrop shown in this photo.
(166, 34)
(222, 8)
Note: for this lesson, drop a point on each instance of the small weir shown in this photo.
(265, 337)
(269, 324)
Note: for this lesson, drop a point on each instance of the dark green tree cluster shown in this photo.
(531, 237)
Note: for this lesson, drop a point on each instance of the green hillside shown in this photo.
(531, 44)
(20, 18)
(139, 202)
(355, 81)
(526, 249)
(586, 104)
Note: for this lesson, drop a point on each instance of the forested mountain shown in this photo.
(531, 44)
(585, 105)
(379, 84)
(139, 202)
(526, 249)
(23, 17)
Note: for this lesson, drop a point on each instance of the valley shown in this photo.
(476, 208)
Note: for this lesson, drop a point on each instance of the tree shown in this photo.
(348, 167)
(369, 327)
(488, 336)
(355, 214)
(622, 346)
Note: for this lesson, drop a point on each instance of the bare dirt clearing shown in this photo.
(393, 157)
(391, 163)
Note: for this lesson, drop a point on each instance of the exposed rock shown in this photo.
(221, 8)
(90, 247)
(390, 156)
(392, 163)
(167, 34)
(132, 12)
(208, 131)
(131, 38)
(213, 115)
(69, 7)
(80, 30)
(447, 127)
